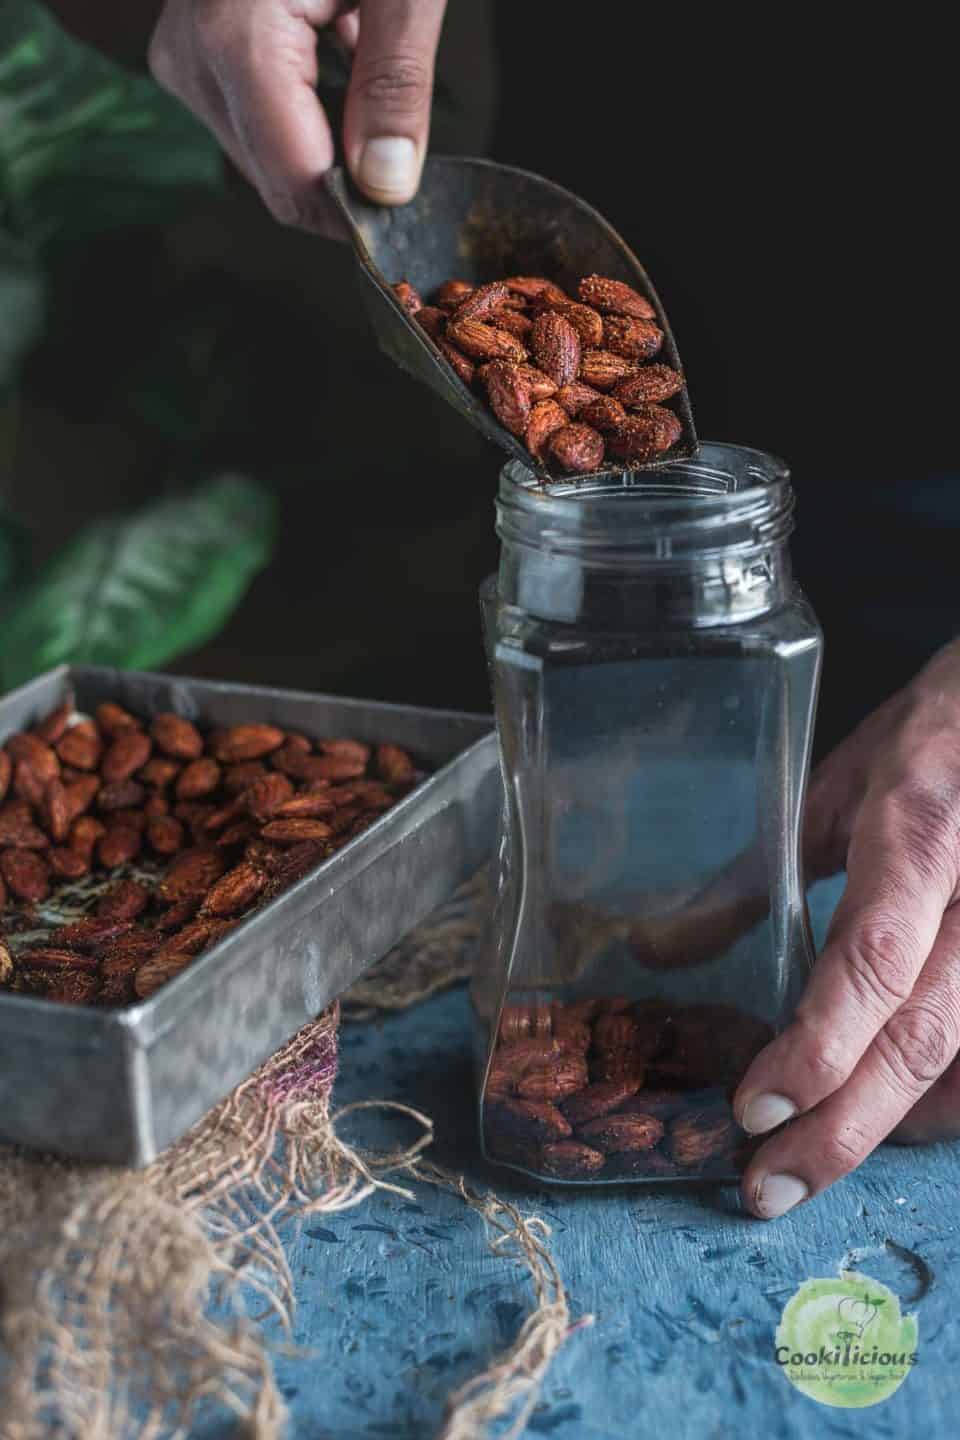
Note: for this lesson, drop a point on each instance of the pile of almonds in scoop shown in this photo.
(571, 378)
(606, 1088)
(163, 838)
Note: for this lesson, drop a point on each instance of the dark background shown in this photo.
(786, 185)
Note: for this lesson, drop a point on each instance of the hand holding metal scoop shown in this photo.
(478, 221)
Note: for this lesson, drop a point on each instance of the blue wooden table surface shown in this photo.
(399, 1302)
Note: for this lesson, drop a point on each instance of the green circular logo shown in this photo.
(843, 1341)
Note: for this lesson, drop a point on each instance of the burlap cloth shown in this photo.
(108, 1277)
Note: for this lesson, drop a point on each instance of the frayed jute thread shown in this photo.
(107, 1276)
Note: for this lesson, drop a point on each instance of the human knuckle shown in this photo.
(917, 1044)
(822, 1053)
(923, 814)
(843, 1149)
(878, 961)
(399, 84)
(161, 60)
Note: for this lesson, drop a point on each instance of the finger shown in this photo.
(348, 29)
(827, 818)
(936, 1115)
(176, 66)
(901, 878)
(266, 71)
(912, 1051)
(387, 118)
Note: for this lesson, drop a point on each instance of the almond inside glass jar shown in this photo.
(604, 1087)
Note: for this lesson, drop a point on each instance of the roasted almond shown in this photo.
(176, 737)
(112, 718)
(518, 1022)
(587, 322)
(93, 932)
(555, 346)
(191, 874)
(156, 972)
(84, 834)
(578, 447)
(237, 778)
(56, 812)
(480, 302)
(310, 806)
(603, 369)
(534, 1119)
(235, 891)
(452, 294)
(34, 752)
(26, 874)
(481, 341)
(634, 339)
(575, 398)
(57, 957)
(119, 846)
(563, 1076)
(80, 747)
(80, 794)
(652, 383)
(292, 832)
(27, 785)
(604, 414)
(534, 287)
(164, 834)
(67, 863)
(408, 296)
(596, 1100)
(463, 367)
(432, 319)
(518, 324)
(701, 1136)
(119, 795)
(611, 1133)
(52, 726)
(17, 828)
(569, 1160)
(246, 742)
(508, 395)
(126, 754)
(545, 417)
(198, 779)
(75, 990)
(614, 297)
(124, 901)
(539, 386)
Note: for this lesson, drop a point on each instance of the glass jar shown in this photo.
(655, 671)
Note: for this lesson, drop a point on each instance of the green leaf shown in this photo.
(137, 590)
(84, 143)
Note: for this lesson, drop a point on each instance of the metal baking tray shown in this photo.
(120, 1085)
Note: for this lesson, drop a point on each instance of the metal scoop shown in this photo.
(477, 221)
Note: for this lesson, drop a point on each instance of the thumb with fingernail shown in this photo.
(387, 117)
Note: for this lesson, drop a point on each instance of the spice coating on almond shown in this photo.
(614, 297)
(578, 447)
(555, 345)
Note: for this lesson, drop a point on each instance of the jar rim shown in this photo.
(705, 485)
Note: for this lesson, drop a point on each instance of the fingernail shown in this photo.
(776, 1194)
(766, 1112)
(389, 168)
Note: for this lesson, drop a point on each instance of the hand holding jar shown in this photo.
(871, 1051)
